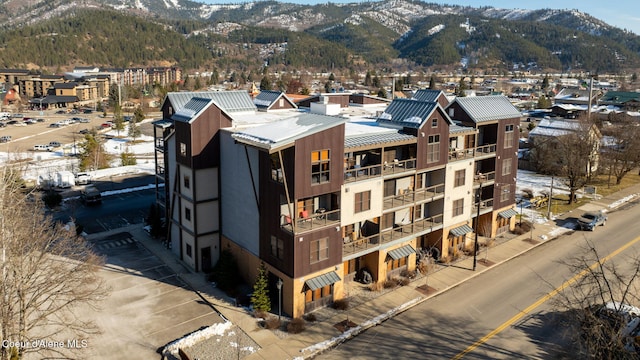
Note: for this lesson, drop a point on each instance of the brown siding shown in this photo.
(442, 100)
(443, 131)
(460, 114)
(183, 136)
(302, 251)
(501, 155)
(331, 139)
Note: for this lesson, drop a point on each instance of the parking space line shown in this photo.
(180, 324)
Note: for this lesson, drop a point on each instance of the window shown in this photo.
(187, 182)
(187, 214)
(320, 167)
(505, 193)
(277, 247)
(433, 149)
(506, 166)
(313, 295)
(508, 136)
(319, 250)
(396, 264)
(458, 207)
(188, 250)
(276, 168)
(434, 123)
(459, 178)
(183, 149)
(363, 201)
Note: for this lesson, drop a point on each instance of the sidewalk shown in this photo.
(321, 335)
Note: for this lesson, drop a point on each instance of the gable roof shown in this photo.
(227, 101)
(487, 108)
(281, 134)
(267, 98)
(427, 95)
(558, 127)
(408, 113)
(191, 109)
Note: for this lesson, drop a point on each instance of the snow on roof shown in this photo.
(555, 127)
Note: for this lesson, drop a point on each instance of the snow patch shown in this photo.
(196, 337)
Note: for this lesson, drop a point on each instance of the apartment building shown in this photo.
(319, 199)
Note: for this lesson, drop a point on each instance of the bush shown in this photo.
(272, 323)
(408, 274)
(390, 283)
(376, 286)
(405, 281)
(225, 273)
(52, 199)
(296, 326)
(341, 304)
(260, 314)
(310, 317)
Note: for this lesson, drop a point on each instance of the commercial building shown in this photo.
(321, 199)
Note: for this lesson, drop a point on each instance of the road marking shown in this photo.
(543, 299)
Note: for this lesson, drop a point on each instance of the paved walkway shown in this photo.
(323, 334)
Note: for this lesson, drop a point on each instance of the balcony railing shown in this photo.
(159, 143)
(461, 154)
(316, 220)
(159, 170)
(485, 178)
(484, 205)
(401, 231)
(361, 173)
(408, 196)
(398, 166)
(485, 150)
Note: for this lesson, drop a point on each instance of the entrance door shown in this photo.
(205, 258)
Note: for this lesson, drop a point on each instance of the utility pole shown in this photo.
(549, 202)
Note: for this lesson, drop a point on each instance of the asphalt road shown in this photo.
(504, 313)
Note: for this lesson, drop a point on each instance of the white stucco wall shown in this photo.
(208, 217)
(347, 201)
(454, 193)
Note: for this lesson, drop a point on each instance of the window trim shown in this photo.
(458, 209)
(187, 182)
(433, 149)
(362, 201)
(319, 248)
(187, 213)
(321, 159)
(459, 178)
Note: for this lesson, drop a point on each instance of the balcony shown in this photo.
(486, 150)
(357, 173)
(401, 231)
(486, 179)
(408, 196)
(307, 222)
(159, 143)
(461, 154)
(485, 206)
(160, 170)
(398, 166)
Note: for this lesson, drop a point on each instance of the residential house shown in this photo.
(321, 199)
(625, 100)
(269, 100)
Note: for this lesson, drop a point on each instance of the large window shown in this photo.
(277, 247)
(508, 136)
(320, 165)
(433, 149)
(183, 149)
(458, 207)
(506, 166)
(505, 193)
(363, 201)
(459, 178)
(319, 250)
(276, 168)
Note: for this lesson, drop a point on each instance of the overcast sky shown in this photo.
(624, 14)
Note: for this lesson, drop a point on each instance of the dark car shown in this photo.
(59, 112)
(589, 220)
(12, 122)
(90, 195)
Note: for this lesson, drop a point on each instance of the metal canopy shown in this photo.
(507, 214)
(322, 280)
(401, 252)
(461, 230)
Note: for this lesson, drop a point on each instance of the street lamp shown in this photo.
(480, 178)
(279, 286)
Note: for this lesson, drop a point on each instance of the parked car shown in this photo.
(40, 120)
(83, 120)
(20, 123)
(83, 178)
(12, 122)
(56, 125)
(30, 121)
(55, 144)
(2, 124)
(90, 195)
(42, 148)
(17, 116)
(61, 112)
(5, 138)
(84, 131)
(591, 219)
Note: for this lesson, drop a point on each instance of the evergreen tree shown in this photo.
(543, 102)
(382, 93)
(367, 79)
(118, 122)
(134, 130)
(265, 83)
(197, 84)
(260, 297)
(138, 115)
(432, 82)
(545, 83)
(462, 86)
(214, 77)
(127, 158)
(327, 87)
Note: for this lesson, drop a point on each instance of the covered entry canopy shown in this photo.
(401, 252)
(461, 230)
(507, 214)
(321, 281)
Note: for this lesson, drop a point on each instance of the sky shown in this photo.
(624, 14)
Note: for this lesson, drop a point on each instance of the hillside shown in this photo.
(52, 33)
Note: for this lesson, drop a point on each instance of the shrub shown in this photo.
(390, 283)
(272, 323)
(405, 281)
(260, 298)
(408, 274)
(296, 326)
(260, 314)
(310, 317)
(341, 304)
(225, 273)
(376, 286)
(52, 199)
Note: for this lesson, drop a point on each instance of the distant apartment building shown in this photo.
(319, 198)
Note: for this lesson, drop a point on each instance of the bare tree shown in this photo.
(47, 273)
(622, 153)
(595, 328)
(571, 155)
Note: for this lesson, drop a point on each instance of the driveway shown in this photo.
(148, 307)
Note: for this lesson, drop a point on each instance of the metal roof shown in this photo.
(401, 252)
(375, 139)
(507, 214)
(458, 129)
(266, 98)
(323, 280)
(427, 95)
(227, 101)
(555, 127)
(619, 97)
(280, 134)
(461, 230)
(191, 109)
(487, 108)
(407, 113)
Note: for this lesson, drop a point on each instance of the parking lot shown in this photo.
(148, 307)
